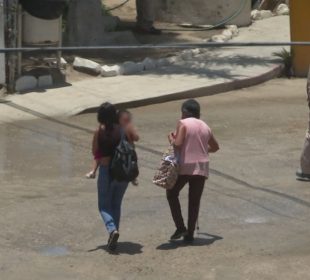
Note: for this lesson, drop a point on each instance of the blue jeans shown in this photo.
(110, 196)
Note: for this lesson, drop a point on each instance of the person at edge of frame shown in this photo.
(303, 173)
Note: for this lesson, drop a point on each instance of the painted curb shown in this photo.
(198, 92)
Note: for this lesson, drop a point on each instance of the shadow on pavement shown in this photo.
(172, 245)
(123, 248)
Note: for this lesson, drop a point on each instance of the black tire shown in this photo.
(45, 9)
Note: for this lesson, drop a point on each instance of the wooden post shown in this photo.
(300, 31)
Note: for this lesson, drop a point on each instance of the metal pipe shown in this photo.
(172, 46)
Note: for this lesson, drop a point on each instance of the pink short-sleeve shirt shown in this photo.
(194, 157)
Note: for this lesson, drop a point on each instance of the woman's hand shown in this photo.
(171, 138)
(213, 145)
(132, 133)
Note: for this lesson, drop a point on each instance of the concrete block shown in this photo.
(259, 15)
(111, 71)
(282, 10)
(162, 62)
(234, 29)
(25, 83)
(87, 66)
(45, 81)
(196, 51)
(130, 68)
(219, 38)
(186, 55)
(173, 59)
(149, 64)
(63, 62)
(228, 34)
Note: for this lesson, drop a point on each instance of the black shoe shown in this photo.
(189, 239)
(302, 176)
(112, 243)
(148, 30)
(178, 234)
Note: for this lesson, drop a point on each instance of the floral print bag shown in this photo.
(167, 174)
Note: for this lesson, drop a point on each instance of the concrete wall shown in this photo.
(203, 11)
(2, 43)
(85, 26)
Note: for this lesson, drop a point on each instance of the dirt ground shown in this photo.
(254, 221)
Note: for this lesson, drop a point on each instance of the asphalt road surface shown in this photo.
(254, 221)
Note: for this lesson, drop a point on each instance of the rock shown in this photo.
(130, 68)
(87, 66)
(174, 59)
(186, 55)
(263, 14)
(25, 83)
(162, 62)
(282, 10)
(149, 64)
(196, 51)
(219, 38)
(63, 62)
(45, 81)
(111, 71)
(255, 14)
(234, 29)
(266, 14)
(228, 34)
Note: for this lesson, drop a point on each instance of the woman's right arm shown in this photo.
(132, 134)
(213, 145)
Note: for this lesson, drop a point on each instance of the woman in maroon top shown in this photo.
(110, 191)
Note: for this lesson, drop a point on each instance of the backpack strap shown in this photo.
(123, 134)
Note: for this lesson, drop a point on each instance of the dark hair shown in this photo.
(121, 112)
(107, 115)
(191, 109)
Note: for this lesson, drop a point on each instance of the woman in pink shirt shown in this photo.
(193, 141)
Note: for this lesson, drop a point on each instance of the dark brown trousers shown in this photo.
(196, 186)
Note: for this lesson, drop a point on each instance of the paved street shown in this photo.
(254, 221)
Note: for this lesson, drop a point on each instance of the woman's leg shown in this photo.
(174, 202)
(196, 186)
(119, 189)
(105, 193)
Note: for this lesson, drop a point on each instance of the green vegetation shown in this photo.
(287, 59)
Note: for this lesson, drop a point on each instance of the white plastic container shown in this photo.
(38, 31)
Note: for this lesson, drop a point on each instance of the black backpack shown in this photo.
(124, 165)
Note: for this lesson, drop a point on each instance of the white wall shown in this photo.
(2, 56)
(203, 11)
